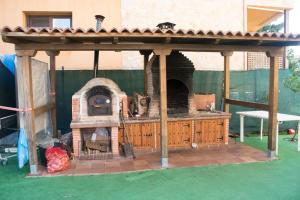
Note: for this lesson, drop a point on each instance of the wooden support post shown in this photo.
(261, 128)
(146, 55)
(298, 132)
(28, 118)
(163, 104)
(226, 55)
(277, 139)
(286, 31)
(242, 128)
(52, 55)
(273, 101)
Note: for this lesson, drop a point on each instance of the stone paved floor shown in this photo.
(213, 155)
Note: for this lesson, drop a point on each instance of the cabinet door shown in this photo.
(179, 133)
(209, 131)
(139, 134)
(220, 131)
(134, 134)
(148, 131)
(198, 132)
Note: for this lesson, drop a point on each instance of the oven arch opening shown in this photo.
(177, 96)
(99, 100)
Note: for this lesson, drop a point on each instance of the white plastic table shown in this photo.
(260, 114)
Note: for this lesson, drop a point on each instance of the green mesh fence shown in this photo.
(7, 90)
(249, 86)
(70, 81)
(245, 85)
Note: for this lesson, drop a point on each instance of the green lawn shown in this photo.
(278, 179)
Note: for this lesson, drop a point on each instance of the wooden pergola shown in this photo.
(161, 43)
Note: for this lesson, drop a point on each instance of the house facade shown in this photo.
(233, 15)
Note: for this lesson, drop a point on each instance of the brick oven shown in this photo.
(179, 85)
(95, 117)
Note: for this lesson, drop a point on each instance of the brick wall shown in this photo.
(75, 109)
(115, 141)
(226, 130)
(76, 141)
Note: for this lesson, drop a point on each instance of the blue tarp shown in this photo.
(22, 149)
(8, 61)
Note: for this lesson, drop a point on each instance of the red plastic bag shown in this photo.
(57, 159)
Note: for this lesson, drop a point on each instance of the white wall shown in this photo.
(191, 14)
(83, 15)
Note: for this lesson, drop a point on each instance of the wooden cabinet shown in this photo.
(209, 131)
(181, 133)
(139, 134)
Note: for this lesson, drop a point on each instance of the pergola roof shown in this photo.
(162, 42)
(65, 39)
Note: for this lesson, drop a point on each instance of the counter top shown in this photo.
(176, 117)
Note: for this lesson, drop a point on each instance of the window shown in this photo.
(51, 21)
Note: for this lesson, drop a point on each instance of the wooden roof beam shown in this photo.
(217, 41)
(167, 40)
(66, 40)
(115, 40)
(142, 46)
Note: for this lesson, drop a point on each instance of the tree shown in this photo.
(293, 81)
(272, 28)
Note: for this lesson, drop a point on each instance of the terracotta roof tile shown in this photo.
(211, 33)
(79, 30)
(155, 32)
(191, 32)
(19, 29)
(180, 31)
(249, 34)
(220, 33)
(125, 30)
(147, 30)
(200, 32)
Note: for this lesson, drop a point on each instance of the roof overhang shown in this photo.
(259, 16)
(146, 39)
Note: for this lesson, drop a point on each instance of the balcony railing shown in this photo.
(259, 60)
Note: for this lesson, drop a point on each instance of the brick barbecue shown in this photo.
(179, 85)
(95, 109)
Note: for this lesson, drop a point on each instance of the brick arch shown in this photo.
(180, 68)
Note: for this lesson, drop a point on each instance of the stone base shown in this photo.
(115, 140)
(76, 134)
(272, 154)
(164, 162)
(33, 169)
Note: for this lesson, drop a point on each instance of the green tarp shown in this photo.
(245, 85)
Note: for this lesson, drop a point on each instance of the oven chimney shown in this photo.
(99, 20)
(166, 25)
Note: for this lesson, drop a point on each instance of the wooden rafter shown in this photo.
(260, 106)
(142, 46)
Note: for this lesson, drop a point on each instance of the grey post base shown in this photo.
(272, 154)
(33, 169)
(164, 162)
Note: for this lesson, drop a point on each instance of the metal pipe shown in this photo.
(99, 20)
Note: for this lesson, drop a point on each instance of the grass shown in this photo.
(278, 179)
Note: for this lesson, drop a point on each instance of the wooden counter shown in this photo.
(202, 129)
